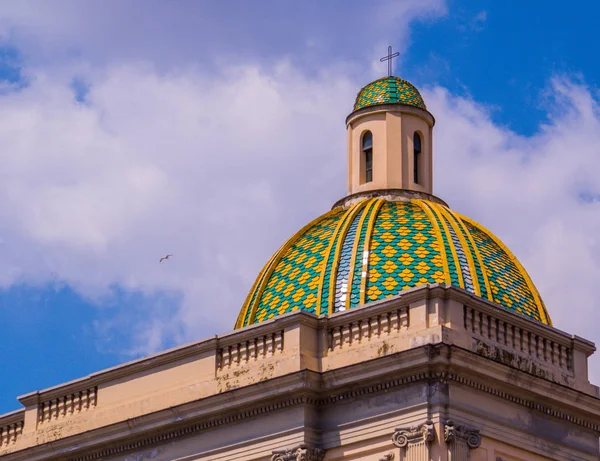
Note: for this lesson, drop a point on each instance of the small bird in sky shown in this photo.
(164, 257)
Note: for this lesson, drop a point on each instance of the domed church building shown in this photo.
(391, 327)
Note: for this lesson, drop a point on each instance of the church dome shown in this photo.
(389, 90)
(377, 247)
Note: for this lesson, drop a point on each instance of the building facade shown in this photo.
(389, 328)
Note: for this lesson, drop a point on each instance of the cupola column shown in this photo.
(390, 145)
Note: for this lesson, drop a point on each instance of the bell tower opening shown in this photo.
(416, 157)
(367, 157)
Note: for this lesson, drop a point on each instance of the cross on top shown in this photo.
(389, 58)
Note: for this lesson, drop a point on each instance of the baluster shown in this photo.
(279, 341)
(510, 336)
(252, 350)
(404, 319)
(374, 326)
(364, 330)
(337, 337)
(243, 352)
(55, 408)
(476, 323)
(270, 345)
(345, 335)
(502, 332)
(540, 347)
(394, 321)
(235, 354)
(485, 326)
(384, 325)
(260, 347)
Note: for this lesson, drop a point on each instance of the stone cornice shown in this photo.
(296, 389)
(387, 194)
(423, 114)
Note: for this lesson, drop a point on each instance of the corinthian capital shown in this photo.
(452, 433)
(300, 453)
(421, 433)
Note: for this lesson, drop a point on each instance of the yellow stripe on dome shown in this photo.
(482, 266)
(544, 316)
(370, 203)
(332, 242)
(454, 223)
(367, 246)
(438, 233)
(350, 214)
(279, 254)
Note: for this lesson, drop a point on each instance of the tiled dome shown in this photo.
(375, 249)
(389, 90)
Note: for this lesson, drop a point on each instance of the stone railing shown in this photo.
(66, 405)
(362, 330)
(11, 428)
(525, 342)
(294, 342)
(249, 350)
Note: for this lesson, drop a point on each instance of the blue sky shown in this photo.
(134, 129)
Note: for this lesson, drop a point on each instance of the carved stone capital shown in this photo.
(300, 453)
(422, 433)
(452, 433)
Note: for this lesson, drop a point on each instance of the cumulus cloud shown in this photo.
(171, 34)
(216, 171)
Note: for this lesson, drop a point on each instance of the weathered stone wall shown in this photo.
(510, 366)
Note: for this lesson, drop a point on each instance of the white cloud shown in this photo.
(216, 171)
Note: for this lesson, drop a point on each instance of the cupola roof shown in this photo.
(389, 90)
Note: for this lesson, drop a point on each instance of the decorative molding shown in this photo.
(387, 457)
(424, 433)
(453, 432)
(300, 453)
(356, 392)
(345, 396)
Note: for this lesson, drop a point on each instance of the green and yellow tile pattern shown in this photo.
(375, 249)
(389, 90)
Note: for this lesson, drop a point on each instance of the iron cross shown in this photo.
(389, 58)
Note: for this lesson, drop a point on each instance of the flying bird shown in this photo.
(164, 257)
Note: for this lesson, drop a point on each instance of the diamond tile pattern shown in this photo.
(294, 282)
(389, 90)
(387, 247)
(404, 251)
(508, 285)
